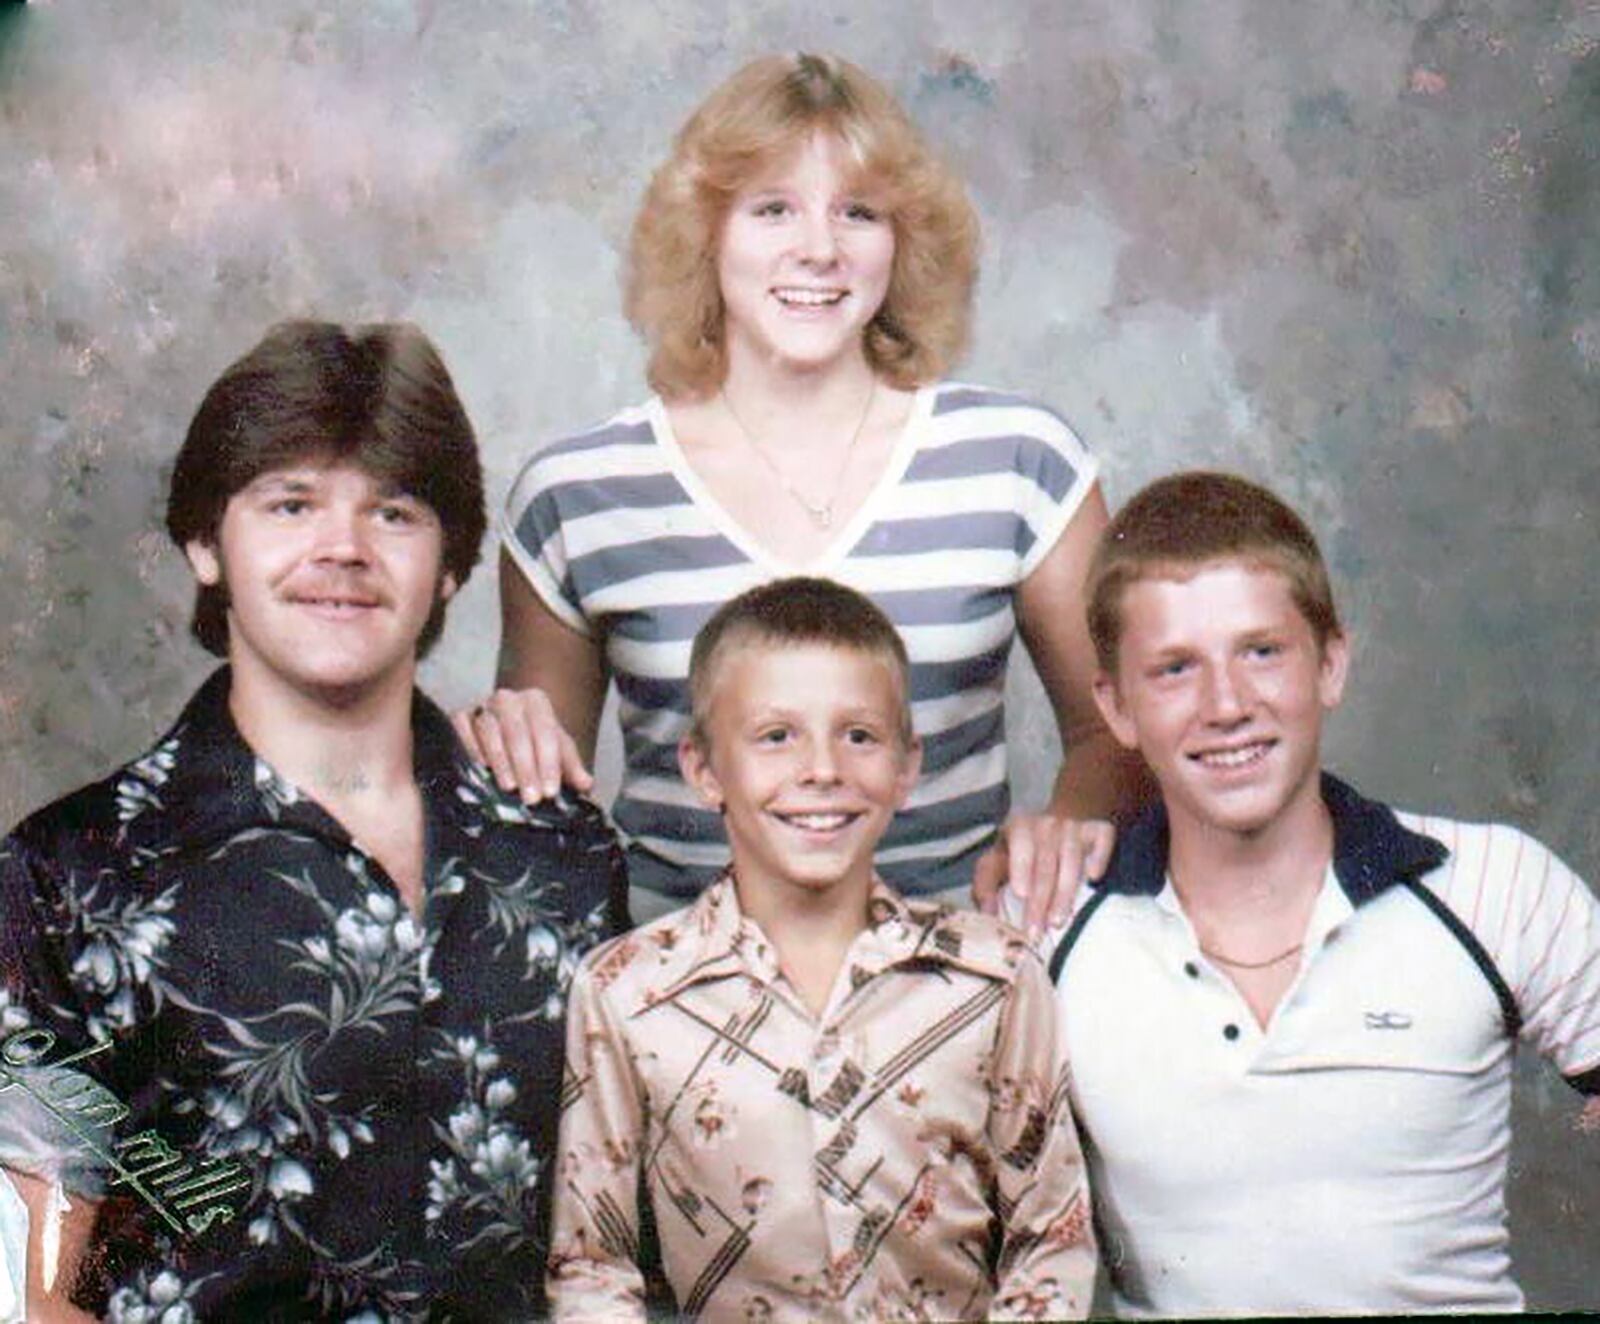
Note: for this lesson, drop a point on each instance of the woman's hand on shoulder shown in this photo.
(517, 735)
(1042, 860)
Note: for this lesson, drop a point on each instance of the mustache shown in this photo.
(338, 588)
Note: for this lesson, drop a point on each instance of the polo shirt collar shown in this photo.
(1372, 850)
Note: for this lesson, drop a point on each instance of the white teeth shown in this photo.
(817, 822)
(810, 298)
(1233, 758)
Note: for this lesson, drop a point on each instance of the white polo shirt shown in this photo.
(1352, 1155)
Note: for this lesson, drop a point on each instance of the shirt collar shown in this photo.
(1371, 849)
(205, 783)
(714, 939)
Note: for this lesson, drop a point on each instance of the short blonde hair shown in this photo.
(1185, 521)
(766, 110)
(785, 613)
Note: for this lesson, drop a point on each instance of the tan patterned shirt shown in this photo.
(907, 1155)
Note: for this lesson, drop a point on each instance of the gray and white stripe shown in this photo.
(621, 540)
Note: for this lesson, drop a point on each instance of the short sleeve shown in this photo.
(1556, 976)
(1538, 924)
(1055, 473)
(533, 533)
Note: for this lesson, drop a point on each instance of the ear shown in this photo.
(695, 764)
(910, 770)
(203, 561)
(1335, 669)
(1108, 699)
(447, 587)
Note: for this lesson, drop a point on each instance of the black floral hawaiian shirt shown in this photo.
(298, 1100)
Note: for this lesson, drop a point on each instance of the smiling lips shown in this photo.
(338, 606)
(798, 296)
(823, 821)
(1235, 756)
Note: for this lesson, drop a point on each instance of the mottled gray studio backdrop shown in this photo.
(1349, 246)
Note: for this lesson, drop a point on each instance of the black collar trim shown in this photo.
(1372, 851)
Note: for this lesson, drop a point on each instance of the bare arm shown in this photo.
(540, 725)
(1098, 778)
(49, 1304)
(1044, 856)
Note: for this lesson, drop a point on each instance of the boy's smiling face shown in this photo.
(1222, 686)
(806, 758)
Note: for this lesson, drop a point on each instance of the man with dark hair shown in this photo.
(285, 995)
(1291, 1011)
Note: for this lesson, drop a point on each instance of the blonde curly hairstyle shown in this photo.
(757, 117)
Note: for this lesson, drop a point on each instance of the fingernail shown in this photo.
(530, 794)
(551, 787)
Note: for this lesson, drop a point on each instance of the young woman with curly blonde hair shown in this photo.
(802, 270)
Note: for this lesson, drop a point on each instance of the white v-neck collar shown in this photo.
(848, 534)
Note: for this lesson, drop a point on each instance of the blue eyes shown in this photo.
(1267, 651)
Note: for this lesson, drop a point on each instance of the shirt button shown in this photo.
(1191, 969)
(1230, 1032)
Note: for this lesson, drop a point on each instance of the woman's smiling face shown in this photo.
(804, 261)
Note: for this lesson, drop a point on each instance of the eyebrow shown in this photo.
(296, 485)
(274, 482)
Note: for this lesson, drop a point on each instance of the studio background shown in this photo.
(1350, 247)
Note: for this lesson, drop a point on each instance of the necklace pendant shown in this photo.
(824, 517)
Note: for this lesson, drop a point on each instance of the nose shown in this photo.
(1227, 696)
(341, 536)
(816, 241)
(821, 763)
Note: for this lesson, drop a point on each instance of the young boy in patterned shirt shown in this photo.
(843, 1104)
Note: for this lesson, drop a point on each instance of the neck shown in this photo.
(809, 927)
(1274, 869)
(336, 746)
(774, 395)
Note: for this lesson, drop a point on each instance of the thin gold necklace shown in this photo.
(1252, 965)
(820, 515)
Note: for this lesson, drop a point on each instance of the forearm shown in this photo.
(1098, 778)
(59, 1229)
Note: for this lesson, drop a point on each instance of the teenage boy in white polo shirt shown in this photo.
(1290, 1010)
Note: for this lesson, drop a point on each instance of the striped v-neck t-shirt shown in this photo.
(622, 541)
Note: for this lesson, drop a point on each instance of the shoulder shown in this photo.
(977, 432)
(1490, 866)
(634, 970)
(970, 410)
(614, 444)
(975, 942)
(570, 838)
(82, 828)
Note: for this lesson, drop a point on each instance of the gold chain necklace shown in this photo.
(820, 515)
(1252, 965)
